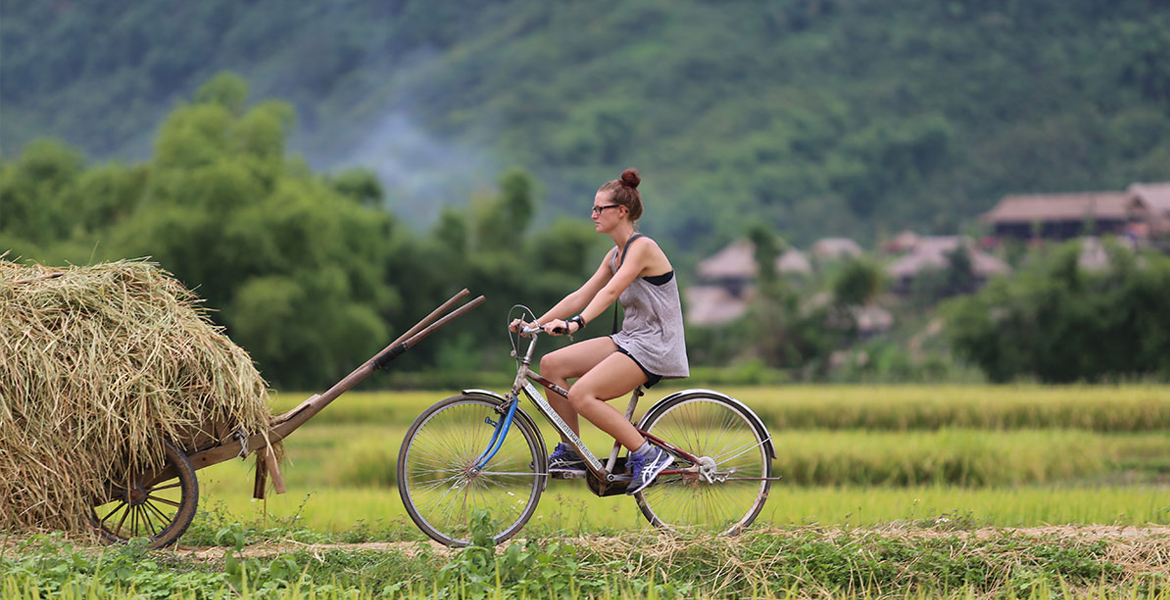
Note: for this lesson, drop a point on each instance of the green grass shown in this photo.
(773, 563)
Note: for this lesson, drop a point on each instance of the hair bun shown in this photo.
(630, 177)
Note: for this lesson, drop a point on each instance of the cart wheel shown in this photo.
(160, 508)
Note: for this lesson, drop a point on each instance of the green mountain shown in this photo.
(816, 117)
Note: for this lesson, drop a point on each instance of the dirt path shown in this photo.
(1121, 536)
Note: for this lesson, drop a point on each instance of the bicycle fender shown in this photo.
(520, 414)
(756, 422)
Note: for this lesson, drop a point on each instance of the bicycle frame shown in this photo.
(525, 377)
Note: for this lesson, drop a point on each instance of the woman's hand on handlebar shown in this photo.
(553, 327)
(525, 328)
(560, 327)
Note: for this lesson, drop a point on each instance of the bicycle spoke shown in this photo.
(740, 451)
(440, 490)
(706, 426)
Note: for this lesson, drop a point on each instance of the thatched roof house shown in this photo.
(872, 319)
(835, 248)
(933, 252)
(903, 242)
(793, 262)
(712, 305)
(729, 279)
(1061, 216)
(1151, 203)
(737, 262)
(1154, 195)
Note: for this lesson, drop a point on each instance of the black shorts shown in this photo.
(651, 378)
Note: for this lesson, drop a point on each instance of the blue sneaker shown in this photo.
(564, 458)
(645, 467)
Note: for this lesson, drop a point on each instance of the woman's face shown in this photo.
(606, 214)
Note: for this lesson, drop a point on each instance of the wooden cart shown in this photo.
(159, 504)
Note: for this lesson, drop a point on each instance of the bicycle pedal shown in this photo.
(566, 474)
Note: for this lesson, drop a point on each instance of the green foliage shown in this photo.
(857, 282)
(940, 559)
(811, 117)
(1060, 323)
(33, 192)
(783, 329)
(521, 570)
(767, 247)
(51, 566)
(226, 89)
(359, 184)
(307, 272)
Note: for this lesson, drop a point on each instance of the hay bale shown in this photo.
(97, 365)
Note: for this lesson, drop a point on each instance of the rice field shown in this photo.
(886, 492)
(1125, 408)
(848, 455)
(572, 510)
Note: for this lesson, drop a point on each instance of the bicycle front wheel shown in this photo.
(444, 490)
(726, 490)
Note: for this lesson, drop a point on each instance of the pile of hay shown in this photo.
(97, 365)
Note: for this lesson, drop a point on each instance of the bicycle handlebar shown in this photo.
(532, 330)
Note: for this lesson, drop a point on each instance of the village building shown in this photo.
(1140, 212)
(869, 320)
(710, 305)
(934, 252)
(728, 282)
(903, 242)
(1061, 216)
(1151, 204)
(835, 248)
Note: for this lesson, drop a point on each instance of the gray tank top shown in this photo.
(652, 328)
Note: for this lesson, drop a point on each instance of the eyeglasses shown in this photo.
(597, 210)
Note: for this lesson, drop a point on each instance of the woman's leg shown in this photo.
(614, 376)
(568, 363)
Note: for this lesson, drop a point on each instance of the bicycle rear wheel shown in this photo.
(727, 492)
(440, 485)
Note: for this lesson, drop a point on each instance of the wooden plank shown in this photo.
(260, 487)
(273, 466)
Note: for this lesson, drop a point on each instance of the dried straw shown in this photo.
(98, 365)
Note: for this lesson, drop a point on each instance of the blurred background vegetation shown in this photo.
(324, 173)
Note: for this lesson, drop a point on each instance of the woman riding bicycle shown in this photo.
(650, 346)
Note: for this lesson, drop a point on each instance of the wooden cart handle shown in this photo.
(287, 423)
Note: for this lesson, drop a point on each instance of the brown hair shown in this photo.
(624, 191)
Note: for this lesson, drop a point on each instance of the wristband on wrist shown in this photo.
(579, 320)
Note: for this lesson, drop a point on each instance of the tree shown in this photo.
(1060, 324)
(34, 189)
(857, 282)
(767, 247)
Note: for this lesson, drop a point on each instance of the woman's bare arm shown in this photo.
(578, 300)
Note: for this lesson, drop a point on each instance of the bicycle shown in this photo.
(479, 450)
